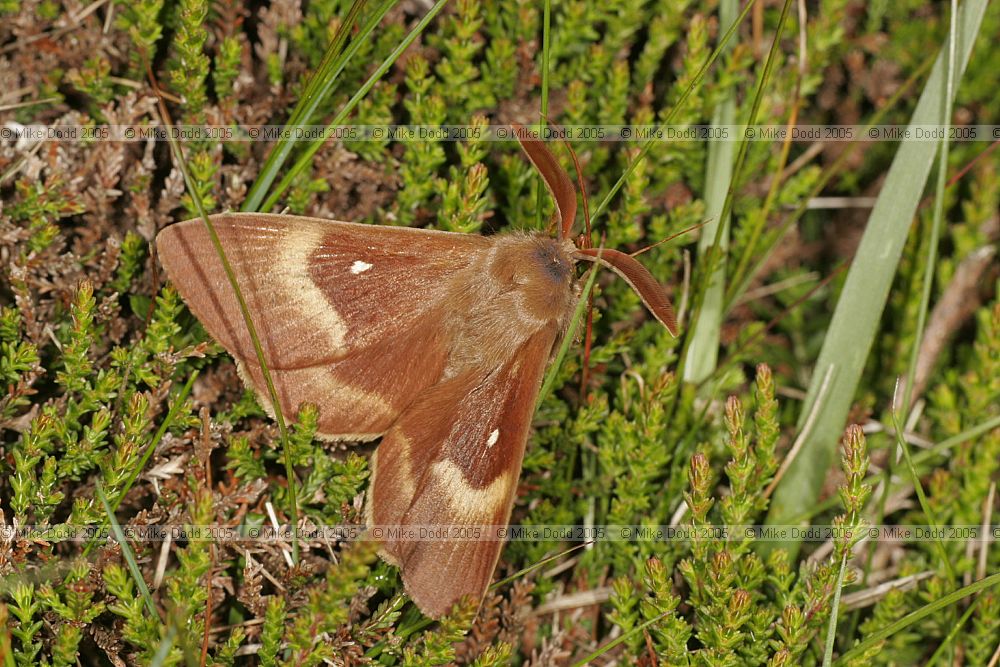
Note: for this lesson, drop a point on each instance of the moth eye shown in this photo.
(553, 266)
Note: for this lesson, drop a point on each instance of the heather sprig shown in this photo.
(228, 60)
(19, 364)
(93, 80)
(274, 627)
(139, 629)
(436, 646)
(326, 608)
(421, 159)
(74, 605)
(460, 47)
(190, 65)
(142, 21)
(464, 203)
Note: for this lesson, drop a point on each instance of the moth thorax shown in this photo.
(539, 270)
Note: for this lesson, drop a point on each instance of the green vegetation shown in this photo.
(818, 327)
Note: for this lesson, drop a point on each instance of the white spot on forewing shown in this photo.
(301, 293)
(359, 267)
(494, 436)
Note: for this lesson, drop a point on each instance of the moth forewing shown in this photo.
(339, 308)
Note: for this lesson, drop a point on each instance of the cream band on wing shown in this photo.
(469, 503)
(301, 290)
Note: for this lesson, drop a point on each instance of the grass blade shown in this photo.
(581, 307)
(163, 650)
(751, 262)
(704, 351)
(932, 247)
(618, 640)
(859, 309)
(272, 393)
(946, 645)
(911, 618)
(695, 82)
(544, 104)
(713, 261)
(304, 160)
(831, 628)
(317, 90)
(918, 488)
(127, 553)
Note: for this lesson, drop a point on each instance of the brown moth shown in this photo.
(434, 341)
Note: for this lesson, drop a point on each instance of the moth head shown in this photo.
(540, 270)
(564, 195)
